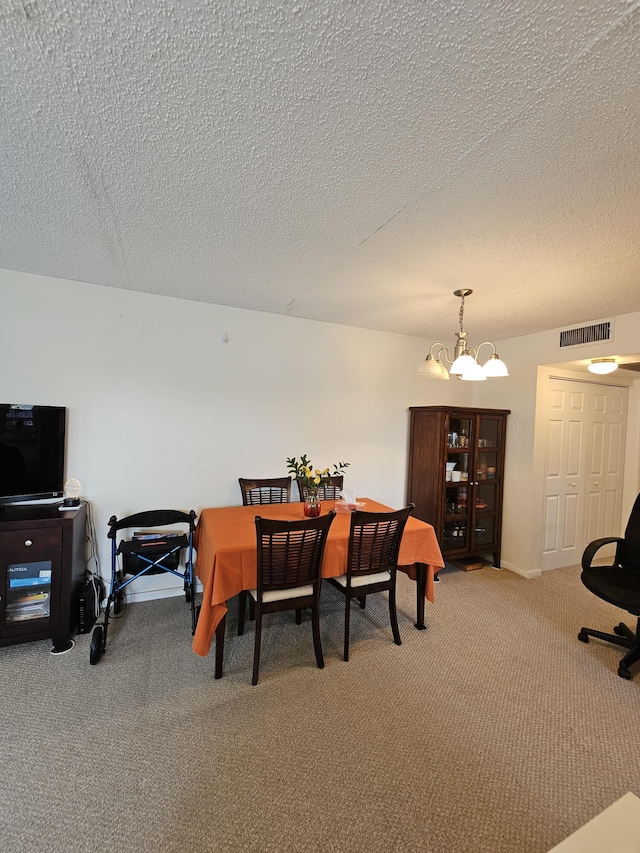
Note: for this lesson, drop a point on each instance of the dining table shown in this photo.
(226, 563)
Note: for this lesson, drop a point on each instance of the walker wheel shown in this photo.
(117, 602)
(187, 592)
(96, 645)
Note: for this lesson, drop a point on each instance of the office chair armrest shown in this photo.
(593, 547)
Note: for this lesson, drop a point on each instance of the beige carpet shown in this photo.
(494, 730)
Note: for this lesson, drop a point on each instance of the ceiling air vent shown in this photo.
(583, 335)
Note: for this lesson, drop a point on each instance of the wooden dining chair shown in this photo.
(372, 561)
(288, 575)
(330, 492)
(276, 490)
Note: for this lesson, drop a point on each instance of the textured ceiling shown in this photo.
(352, 161)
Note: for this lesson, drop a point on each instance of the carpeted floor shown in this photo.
(494, 730)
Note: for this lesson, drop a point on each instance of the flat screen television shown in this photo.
(32, 448)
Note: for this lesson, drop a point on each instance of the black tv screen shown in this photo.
(31, 452)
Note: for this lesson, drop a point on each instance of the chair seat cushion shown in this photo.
(282, 594)
(364, 580)
(618, 585)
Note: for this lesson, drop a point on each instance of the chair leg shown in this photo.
(347, 612)
(256, 647)
(633, 654)
(631, 657)
(242, 606)
(362, 600)
(317, 643)
(252, 608)
(393, 614)
(298, 616)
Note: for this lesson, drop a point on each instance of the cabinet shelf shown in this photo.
(466, 514)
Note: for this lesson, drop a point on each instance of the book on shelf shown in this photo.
(155, 535)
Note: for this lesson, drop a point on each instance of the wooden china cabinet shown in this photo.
(456, 473)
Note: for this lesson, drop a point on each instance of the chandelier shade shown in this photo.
(464, 359)
(495, 366)
(473, 373)
(433, 368)
(464, 362)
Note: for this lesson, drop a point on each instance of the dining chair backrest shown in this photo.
(374, 540)
(330, 492)
(289, 561)
(290, 552)
(274, 490)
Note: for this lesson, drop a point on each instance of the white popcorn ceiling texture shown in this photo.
(352, 161)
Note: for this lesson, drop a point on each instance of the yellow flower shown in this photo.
(316, 480)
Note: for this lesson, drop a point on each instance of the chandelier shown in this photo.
(464, 363)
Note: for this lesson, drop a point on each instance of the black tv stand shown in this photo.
(42, 569)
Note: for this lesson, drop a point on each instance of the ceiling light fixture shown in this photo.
(464, 363)
(603, 365)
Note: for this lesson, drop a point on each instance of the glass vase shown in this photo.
(312, 506)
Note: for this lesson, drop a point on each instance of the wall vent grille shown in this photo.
(583, 335)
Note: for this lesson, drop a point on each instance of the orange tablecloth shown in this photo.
(225, 542)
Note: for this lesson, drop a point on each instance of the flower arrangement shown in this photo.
(313, 478)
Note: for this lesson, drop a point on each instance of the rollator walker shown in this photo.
(146, 553)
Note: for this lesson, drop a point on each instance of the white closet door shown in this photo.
(605, 462)
(583, 468)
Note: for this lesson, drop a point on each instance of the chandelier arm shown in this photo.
(442, 351)
(487, 343)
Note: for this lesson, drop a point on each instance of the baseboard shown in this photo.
(524, 573)
(152, 594)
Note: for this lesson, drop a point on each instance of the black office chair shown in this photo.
(274, 490)
(619, 584)
(372, 560)
(330, 492)
(288, 575)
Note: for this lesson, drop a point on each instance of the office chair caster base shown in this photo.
(623, 672)
(96, 648)
(583, 637)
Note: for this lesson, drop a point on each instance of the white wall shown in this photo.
(161, 414)
(522, 517)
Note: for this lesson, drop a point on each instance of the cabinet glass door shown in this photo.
(483, 532)
(456, 517)
(459, 433)
(487, 473)
(27, 592)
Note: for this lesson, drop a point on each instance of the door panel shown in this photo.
(551, 524)
(584, 462)
(570, 534)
